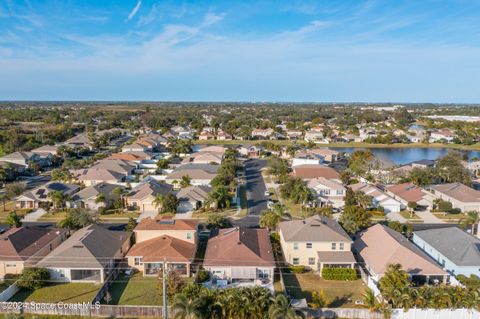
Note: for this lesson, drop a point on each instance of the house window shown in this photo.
(309, 245)
(295, 246)
(311, 261)
(339, 191)
(189, 235)
(138, 261)
(334, 246)
(296, 261)
(341, 246)
(61, 273)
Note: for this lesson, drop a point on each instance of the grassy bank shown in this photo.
(474, 147)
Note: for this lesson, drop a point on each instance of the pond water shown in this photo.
(406, 155)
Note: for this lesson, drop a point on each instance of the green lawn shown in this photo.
(338, 293)
(69, 292)
(450, 217)
(136, 291)
(119, 215)
(413, 218)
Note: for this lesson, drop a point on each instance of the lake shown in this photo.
(406, 155)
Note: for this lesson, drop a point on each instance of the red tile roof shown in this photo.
(407, 191)
(156, 249)
(310, 171)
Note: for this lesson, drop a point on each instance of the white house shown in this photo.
(329, 191)
(455, 250)
(379, 198)
(307, 158)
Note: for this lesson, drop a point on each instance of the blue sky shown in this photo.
(371, 51)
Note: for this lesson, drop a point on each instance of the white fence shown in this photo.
(9, 292)
(436, 314)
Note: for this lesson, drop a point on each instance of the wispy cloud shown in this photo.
(212, 18)
(134, 10)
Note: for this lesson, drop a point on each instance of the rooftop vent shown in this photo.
(166, 221)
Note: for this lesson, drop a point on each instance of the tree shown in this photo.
(185, 181)
(186, 308)
(13, 220)
(318, 299)
(370, 300)
(33, 278)
(169, 204)
(58, 198)
(174, 282)
(394, 283)
(354, 219)
(3, 176)
(278, 167)
(361, 162)
(412, 206)
(14, 189)
(162, 163)
(472, 218)
(220, 197)
(280, 308)
(215, 220)
(451, 170)
(269, 219)
(421, 176)
(131, 224)
(100, 198)
(77, 218)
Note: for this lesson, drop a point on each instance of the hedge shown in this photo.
(339, 273)
(297, 269)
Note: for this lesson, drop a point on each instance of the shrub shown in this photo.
(297, 269)
(339, 273)
(202, 276)
(455, 211)
(444, 206)
(472, 282)
(33, 278)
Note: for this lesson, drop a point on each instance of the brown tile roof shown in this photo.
(458, 191)
(166, 223)
(407, 191)
(310, 171)
(149, 188)
(239, 247)
(125, 157)
(380, 246)
(156, 249)
(313, 229)
(21, 243)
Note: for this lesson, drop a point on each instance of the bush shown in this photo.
(455, 211)
(472, 282)
(202, 276)
(339, 273)
(102, 210)
(444, 206)
(297, 269)
(33, 278)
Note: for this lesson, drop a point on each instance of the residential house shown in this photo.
(409, 192)
(316, 242)
(26, 159)
(172, 242)
(204, 158)
(461, 196)
(294, 134)
(199, 174)
(88, 255)
(46, 150)
(93, 176)
(315, 136)
(444, 134)
(212, 149)
(117, 165)
(379, 198)
(311, 171)
(242, 256)
(135, 147)
(39, 197)
(455, 250)
(306, 158)
(329, 156)
(224, 136)
(328, 191)
(89, 196)
(366, 133)
(25, 246)
(380, 246)
(250, 151)
(142, 197)
(192, 198)
(206, 136)
(262, 134)
(79, 141)
(129, 157)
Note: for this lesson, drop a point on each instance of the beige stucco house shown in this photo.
(164, 240)
(316, 242)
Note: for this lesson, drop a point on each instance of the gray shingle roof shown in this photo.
(458, 246)
(314, 229)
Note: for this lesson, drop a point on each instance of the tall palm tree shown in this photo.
(158, 201)
(280, 308)
(472, 218)
(220, 197)
(369, 299)
(185, 308)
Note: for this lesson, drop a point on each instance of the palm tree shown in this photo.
(58, 198)
(158, 201)
(280, 308)
(220, 197)
(472, 218)
(268, 219)
(184, 308)
(370, 300)
(185, 181)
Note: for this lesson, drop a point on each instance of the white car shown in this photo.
(267, 193)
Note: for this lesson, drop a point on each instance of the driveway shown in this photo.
(255, 186)
(428, 217)
(34, 216)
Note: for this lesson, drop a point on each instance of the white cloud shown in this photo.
(212, 18)
(134, 11)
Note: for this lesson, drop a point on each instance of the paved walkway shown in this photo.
(34, 216)
(429, 218)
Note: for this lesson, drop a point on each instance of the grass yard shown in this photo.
(412, 218)
(450, 217)
(69, 292)
(136, 291)
(51, 217)
(115, 216)
(338, 293)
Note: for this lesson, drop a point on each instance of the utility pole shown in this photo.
(164, 278)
